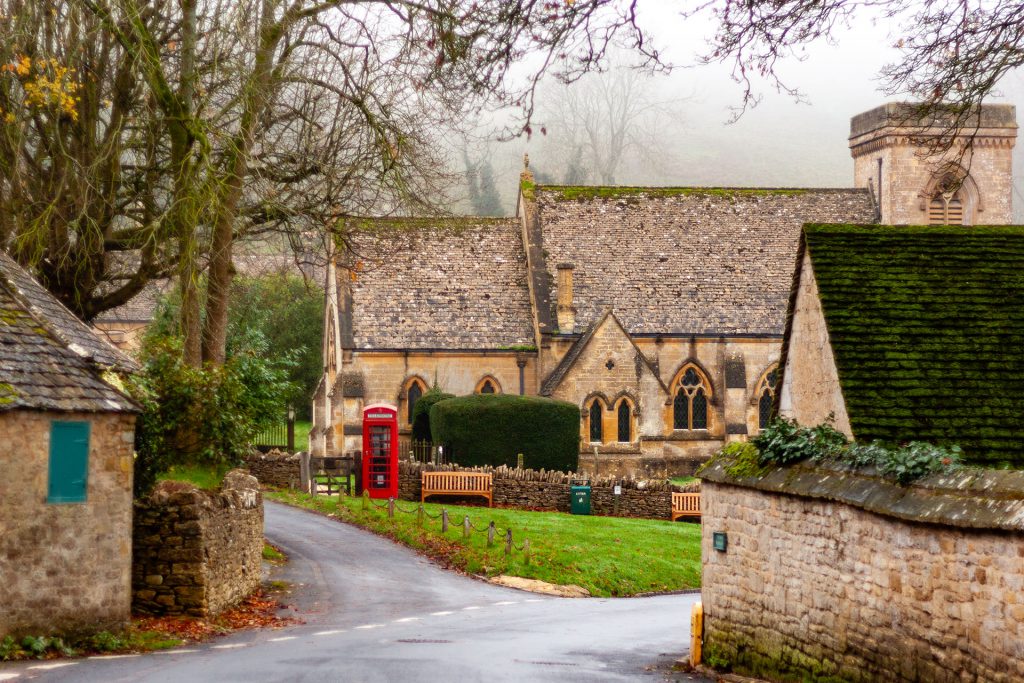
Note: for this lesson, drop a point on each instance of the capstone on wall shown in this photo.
(816, 590)
(197, 552)
(65, 567)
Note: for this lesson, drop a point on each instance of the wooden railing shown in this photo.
(685, 505)
(457, 484)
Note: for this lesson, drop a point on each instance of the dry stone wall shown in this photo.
(275, 470)
(197, 552)
(817, 589)
(543, 490)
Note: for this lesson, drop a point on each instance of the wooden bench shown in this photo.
(456, 484)
(685, 505)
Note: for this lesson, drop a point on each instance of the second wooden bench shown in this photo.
(457, 484)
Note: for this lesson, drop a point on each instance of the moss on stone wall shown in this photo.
(585, 193)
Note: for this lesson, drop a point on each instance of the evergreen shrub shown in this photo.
(491, 429)
(421, 413)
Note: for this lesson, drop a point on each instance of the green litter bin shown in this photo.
(579, 502)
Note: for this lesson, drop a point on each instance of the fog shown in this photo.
(779, 143)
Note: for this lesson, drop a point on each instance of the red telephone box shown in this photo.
(380, 450)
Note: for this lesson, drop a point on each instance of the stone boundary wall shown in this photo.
(275, 470)
(857, 579)
(544, 490)
(197, 552)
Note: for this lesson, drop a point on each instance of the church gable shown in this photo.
(685, 260)
(926, 325)
(428, 283)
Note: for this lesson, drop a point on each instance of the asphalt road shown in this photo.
(376, 611)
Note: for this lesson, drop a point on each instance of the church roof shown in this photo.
(47, 362)
(429, 283)
(685, 260)
(927, 329)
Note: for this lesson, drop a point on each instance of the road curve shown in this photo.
(377, 611)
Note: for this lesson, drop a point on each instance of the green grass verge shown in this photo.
(272, 553)
(609, 556)
(132, 639)
(682, 481)
(204, 476)
(302, 435)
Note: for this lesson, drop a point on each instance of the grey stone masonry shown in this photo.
(197, 552)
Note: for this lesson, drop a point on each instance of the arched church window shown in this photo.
(625, 420)
(690, 403)
(766, 396)
(488, 385)
(596, 421)
(415, 392)
(487, 388)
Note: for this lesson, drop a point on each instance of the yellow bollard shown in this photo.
(696, 633)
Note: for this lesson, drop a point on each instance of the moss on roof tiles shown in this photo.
(927, 329)
(585, 193)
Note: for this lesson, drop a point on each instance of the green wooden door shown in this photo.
(69, 462)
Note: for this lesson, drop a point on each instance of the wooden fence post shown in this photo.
(490, 534)
(304, 476)
(508, 542)
(391, 508)
(465, 526)
(366, 500)
(526, 551)
(444, 521)
(419, 516)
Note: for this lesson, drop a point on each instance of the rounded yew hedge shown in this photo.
(492, 429)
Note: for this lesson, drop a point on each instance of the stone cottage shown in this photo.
(659, 311)
(66, 450)
(910, 333)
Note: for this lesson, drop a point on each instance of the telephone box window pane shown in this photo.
(380, 457)
(69, 462)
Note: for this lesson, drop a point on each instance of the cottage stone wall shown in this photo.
(65, 567)
(197, 552)
(811, 393)
(815, 589)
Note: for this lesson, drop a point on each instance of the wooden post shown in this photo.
(419, 516)
(444, 521)
(291, 429)
(366, 500)
(391, 508)
(465, 526)
(508, 543)
(304, 476)
(490, 534)
(526, 551)
(519, 461)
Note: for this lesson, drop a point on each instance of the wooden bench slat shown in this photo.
(458, 484)
(685, 505)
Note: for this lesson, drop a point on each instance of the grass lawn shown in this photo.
(682, 481)
(302, 435)
(609, 556)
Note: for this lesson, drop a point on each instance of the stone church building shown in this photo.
(658, 311)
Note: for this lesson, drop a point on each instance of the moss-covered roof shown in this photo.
(927, 328)
(587, 192)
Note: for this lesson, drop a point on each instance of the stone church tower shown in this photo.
(970, 184)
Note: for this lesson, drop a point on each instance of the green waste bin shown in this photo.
(579, 503)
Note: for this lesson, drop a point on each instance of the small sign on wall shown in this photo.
(719, 540)
(618, 490)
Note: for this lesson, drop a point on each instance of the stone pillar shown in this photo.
(565, 310)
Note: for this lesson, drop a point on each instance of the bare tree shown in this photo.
(605, 120)
(954, 52)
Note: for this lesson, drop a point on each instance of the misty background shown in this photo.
(627, 127)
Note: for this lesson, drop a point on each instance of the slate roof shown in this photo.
(927, 329)
(453, 283)
(685, 260)
(39, 369)
(61, 323)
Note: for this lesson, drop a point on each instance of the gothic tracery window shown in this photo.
(766, 396)
(488, 385)
(413, 394)
(690, 404)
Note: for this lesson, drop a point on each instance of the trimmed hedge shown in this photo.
(491, 429)
(421, 413)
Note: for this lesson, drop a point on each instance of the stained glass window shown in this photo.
(625, 422)
(596, 418)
